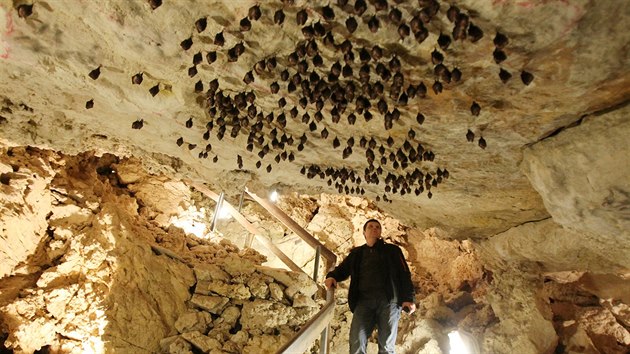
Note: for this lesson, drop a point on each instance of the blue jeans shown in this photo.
(368, 314)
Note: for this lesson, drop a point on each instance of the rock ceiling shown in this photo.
(423, 106)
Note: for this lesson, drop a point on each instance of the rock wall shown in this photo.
(238, 307)
(102, 269)
(23, 184)
(574, 263)
(582, 175)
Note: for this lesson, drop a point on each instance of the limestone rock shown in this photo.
(553, 246)
(265, 315)
(165, 343)
(20, 239)
(180, 346)
(240, 337)
(220, 332)
(302, 315)
(444, 259)
(32, 335)
(238, 269)
(523, 327)
(238, 291)
(425, 336)
(201, 341)
(602, 326)
(459, 300)
(212, 304)
(620, 310)
(210, 272)
(581, 173)
(129, 172)
(301, 300)
(276, 291)
(229, 317)
(193, 321)
(295, 282)
(58, 299)
(258, 287)
(231, 347)
(478, 320)
(265, 344)
(166, 198)
(435, 308)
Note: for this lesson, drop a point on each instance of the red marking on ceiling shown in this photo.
(6, 32)
(9, 25)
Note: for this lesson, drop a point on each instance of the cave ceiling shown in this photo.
(425, 107)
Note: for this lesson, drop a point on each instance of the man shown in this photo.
(380, 286)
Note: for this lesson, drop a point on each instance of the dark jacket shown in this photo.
(398, 276)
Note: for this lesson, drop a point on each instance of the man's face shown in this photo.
(372, 232)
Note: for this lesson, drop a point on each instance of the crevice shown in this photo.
(521, 224)
(561, 129)
(625, 102)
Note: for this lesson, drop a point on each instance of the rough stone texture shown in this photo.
(179, 346)
(264, 316)
(84, 263)
(275, 291)
(524, 324)
(426, 336)
(436, 258)
(582, 174)
(193, 321)
(620, 310)
(20, 239)
(202, 342)
(96, 283)
(263, 344)
(556, 248)
(212, 304)
(294, 283)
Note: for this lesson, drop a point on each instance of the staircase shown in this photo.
(319, 325)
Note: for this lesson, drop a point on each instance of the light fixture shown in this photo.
(191, 221)
(273, 196)
(224, 213)
(457, 344)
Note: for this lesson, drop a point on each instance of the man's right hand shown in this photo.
(330, 283)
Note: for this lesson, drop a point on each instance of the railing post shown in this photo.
(250, 237)
(240, 201)
(318, 252)
(217, 210)
(323, 341)
(249, 240)
(321, 321)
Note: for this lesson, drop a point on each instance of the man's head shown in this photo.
(372, 231)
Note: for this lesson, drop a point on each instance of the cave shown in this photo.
(488, 137)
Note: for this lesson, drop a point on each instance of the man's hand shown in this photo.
(330, 283)
(408, 305)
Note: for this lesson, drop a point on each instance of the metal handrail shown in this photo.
(320, 323)
(248, 226)
(316, 326)
(295, 227)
